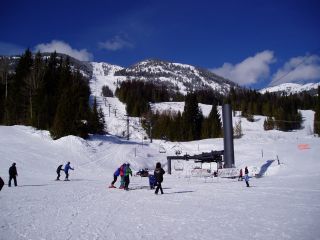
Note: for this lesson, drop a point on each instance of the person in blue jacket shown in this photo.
(115, 176)
(66, 171)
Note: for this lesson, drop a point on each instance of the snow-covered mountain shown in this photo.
(291, 88)
(176, 76)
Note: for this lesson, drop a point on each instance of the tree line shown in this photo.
(281, 110)
(47, 93)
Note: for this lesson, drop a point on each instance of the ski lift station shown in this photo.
(222, 159)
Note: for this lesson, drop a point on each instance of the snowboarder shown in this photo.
(122, 169)
(246, 176)
(59, 169)
(13, 174)
(1, 183)
(240, 175)
(115, 176)
(66, 171)
(127, 172)
(158, 173)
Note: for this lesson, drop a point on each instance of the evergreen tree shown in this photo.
(192, 118)
(18, 102)
(96, 124)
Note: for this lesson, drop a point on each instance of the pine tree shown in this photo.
(192, 118)
(97, 122)
(18, 101)
(216, 128)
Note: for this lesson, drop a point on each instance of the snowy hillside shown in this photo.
(114, 110)
(291, 88)
(176, 76)
(283, 204)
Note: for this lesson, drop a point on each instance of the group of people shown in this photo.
(66, 169)
(124, 171)
(246, 176)
(13, 173)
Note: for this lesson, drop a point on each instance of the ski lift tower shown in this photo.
(228, 156)
(215, 156)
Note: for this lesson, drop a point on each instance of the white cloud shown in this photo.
(298, 69)
(62, 47)
(115, 44)
(250, 70)
(10, 49)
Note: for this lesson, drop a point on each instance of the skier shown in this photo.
(115, 176)
(1, 183)
(122, 169)
(246, 176)
(127, 172)
(240, 175)
(58, 172)
(66, 171)
(13, 174)
(158, 173)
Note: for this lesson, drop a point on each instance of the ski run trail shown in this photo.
(283, 204)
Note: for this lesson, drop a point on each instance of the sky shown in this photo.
(253, 43)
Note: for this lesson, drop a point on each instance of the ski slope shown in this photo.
(284, 204)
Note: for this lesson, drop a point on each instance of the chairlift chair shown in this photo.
(162, 149)
(178, 166)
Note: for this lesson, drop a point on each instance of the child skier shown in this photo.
(127, 172)
(115, 176)
(240, 175)
(246, 176)
(59, 169)
(66, 171)
(122, 169)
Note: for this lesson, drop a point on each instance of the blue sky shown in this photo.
(254, 43)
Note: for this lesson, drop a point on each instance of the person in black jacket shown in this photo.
(1, 183)
(59, 169)
(13, 174)
(158, 173)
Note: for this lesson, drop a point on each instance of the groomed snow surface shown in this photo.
(283, 204)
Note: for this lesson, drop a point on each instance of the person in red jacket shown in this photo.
(122, 169)
(158, 174)
(240, 178)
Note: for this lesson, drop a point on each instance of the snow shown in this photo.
(291, 88)
(283, 204)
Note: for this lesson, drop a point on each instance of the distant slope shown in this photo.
(292, 88)
(176, 76)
